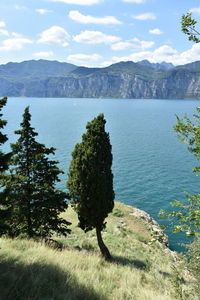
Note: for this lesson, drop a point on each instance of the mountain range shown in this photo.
(43, 78)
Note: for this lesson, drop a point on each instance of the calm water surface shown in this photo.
(151, 167)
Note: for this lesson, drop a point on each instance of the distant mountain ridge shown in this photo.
(159, 66)
(43, 78)
(36, 68)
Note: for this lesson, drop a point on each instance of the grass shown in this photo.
(140, 270)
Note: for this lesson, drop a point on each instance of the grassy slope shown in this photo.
(33, 270)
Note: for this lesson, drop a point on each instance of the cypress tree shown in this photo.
(36, 203)
(4, 163)
(90, 180)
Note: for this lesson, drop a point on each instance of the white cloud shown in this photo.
(134, 1)
(144, 17)
(137, 44)
(95, 37)
(2, 24)
(55, 35)
(155, 31)
(195, 10)
(4, 32)
(166, 51)
(163, 53)
(106, 63)
(44, 54)
(42, 11)
(83, 59)
(80, 18)
(142, 44)
(15, 43)
(146, 44)
(78, 2)
(17, 35)
(190, 55)
(20, 7)
(121, 46)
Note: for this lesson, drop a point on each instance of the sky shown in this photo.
(96, 33)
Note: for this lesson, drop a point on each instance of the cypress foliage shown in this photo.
(36, 204)
(4, 158)
(90, 180)
(4, 163)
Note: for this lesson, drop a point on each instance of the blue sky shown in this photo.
(96, 32)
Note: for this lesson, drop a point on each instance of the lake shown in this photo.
(151, 167)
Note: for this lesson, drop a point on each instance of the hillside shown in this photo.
(71, 268)
(35, 69)
(141, 80)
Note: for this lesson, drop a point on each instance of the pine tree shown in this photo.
(90, 181)
(4, 162)
(36, 204)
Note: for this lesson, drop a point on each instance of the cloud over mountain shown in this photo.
(83, 58)
(55, 35)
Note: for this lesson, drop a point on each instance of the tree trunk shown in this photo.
(104, 250)
(29, 221)
(28, 203)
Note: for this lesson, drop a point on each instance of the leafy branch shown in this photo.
(188, 27)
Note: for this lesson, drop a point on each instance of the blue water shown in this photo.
(151, 167)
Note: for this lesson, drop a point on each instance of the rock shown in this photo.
(122, 223)
(121, 80)
(157, 232)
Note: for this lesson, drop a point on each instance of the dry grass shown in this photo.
(139, 271)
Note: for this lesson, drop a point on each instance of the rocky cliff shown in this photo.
(121, 80)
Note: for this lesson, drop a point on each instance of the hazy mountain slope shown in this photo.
(35, 68)
(194, 66)
(121, 80)
(160, 66)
